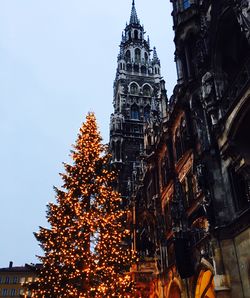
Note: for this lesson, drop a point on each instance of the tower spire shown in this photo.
(133, 18)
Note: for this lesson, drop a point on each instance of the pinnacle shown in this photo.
(133, 18)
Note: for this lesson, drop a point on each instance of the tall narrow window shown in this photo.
(241, 189)
(146, 113)
(137, 55)
(146, 90)
(136, 34)
(186, 4)
(178, 147)
(133, 89)
(135, 112)
(128, 55)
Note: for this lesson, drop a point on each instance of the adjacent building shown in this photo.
(13, 280)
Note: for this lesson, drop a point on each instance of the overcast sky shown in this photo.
(57, 62)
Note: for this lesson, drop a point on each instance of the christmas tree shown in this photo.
(84, 255)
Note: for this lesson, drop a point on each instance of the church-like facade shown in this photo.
(184, 162)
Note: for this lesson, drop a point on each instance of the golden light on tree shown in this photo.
(84, 251)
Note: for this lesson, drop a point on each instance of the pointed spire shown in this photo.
(133, 18)
(155, 56)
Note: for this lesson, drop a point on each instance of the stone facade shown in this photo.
(187, 186)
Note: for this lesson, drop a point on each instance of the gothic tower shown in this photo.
(139, 102)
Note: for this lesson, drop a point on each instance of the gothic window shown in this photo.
(133, 89)
(186, 4)
(136, 34)
(129, 35)
(188, 189)
(143, 69)
(181, 139)
(190, 54)
(146, 113)
(136, 68)
(146, 90)
(146, 57)
(240, 183)
(129, 67)
(178, 147)
(165, 170)
(183, 134)
(232, 47)
(168, 214)
(128, 55)
(239, 170)
(137, 55)
(135, 112)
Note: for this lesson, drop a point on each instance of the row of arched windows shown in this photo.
(135, 112)
(135, 34)
(139, 69)
(137, 56)
(146, 89)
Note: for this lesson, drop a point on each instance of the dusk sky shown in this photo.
(57, 62)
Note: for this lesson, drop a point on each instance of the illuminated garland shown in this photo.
(84, 255)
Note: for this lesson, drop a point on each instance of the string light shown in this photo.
(84, 255)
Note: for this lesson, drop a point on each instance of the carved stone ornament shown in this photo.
(243, 15)
(207, 85)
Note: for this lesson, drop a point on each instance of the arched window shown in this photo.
(232, 48)
(239, 170)
(128, 55)
(178, 148)
(143, 69)
(129, 67)
(186, 4)
(137, 55)
(133, 88)
(136, 68)
(146, 90)
(136, 34)
(146, 57)
(165, 170)
(146, 113)
(135, 112)
(181, 139)
(183, 133)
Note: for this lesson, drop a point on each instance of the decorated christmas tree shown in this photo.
(84, 255)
